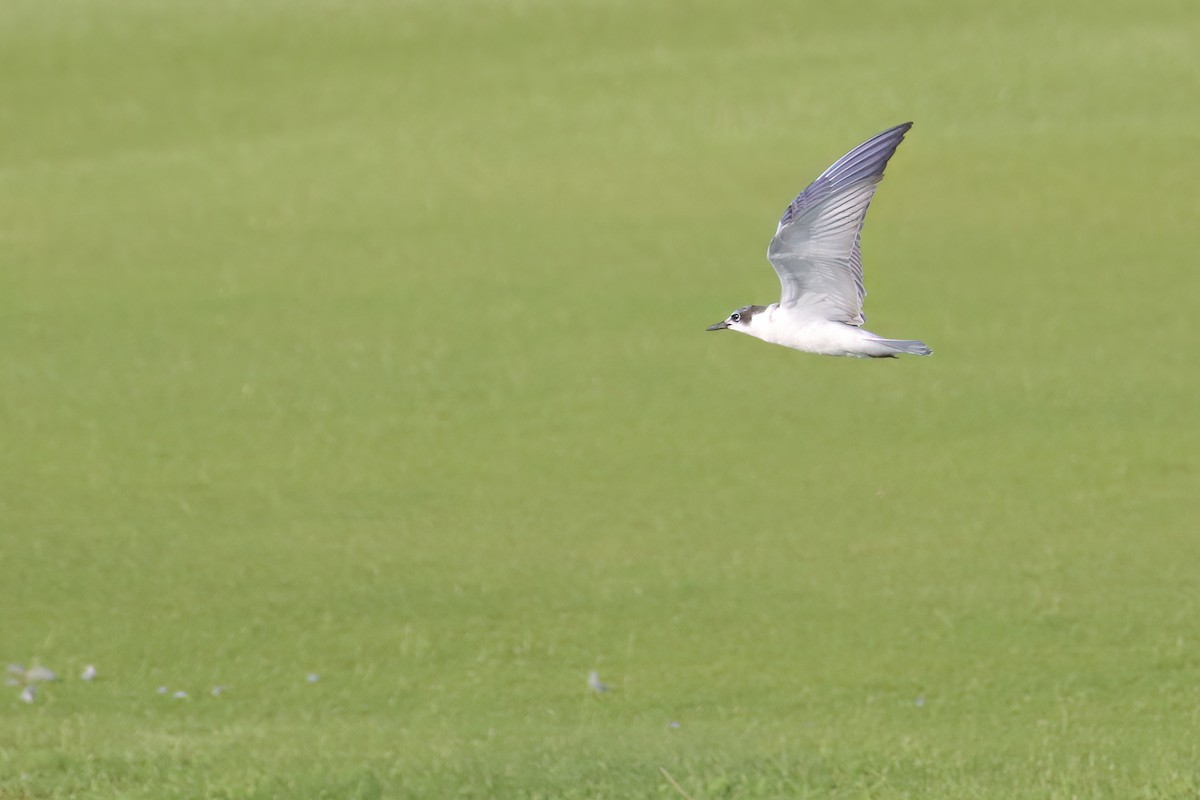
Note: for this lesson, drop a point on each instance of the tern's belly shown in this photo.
(824, 338)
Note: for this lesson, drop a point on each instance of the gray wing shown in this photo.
(816, 246)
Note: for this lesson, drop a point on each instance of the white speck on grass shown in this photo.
(313, 677)
(162, 690)
(180, 695)
(28, 694)
(217, 691)
(89, 673)
(673, 724)
(16, 669)
(920, 701)
(40, 675)
(595, 684)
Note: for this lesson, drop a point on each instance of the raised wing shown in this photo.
(816, 247)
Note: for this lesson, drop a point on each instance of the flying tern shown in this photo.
(816, 254)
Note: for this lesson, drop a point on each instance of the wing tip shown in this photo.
(896, 132)
(893, 136)
(865, 161)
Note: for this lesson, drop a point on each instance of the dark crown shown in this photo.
(746, 312)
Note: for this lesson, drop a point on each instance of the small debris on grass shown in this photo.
(217, 691)
(89, 673)
(920, 701)
(16, 669)
(595, 684)
(313, 677)
(40, 674)
(674, 724)
(162, 690)
(28, 694)
(180, 695)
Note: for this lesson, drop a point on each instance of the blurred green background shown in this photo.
(367, 340)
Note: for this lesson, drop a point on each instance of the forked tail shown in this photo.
(911, 346)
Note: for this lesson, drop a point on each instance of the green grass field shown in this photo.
(367, 340)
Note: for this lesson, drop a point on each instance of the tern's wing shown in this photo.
(816, 247)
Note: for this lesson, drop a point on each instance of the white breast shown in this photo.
(819, 336)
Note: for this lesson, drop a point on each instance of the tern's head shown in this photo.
(740, 320)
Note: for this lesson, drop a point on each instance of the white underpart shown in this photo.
(812, 334)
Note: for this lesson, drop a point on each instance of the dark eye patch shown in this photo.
(745, 314)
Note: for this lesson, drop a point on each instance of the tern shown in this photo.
(816, 252)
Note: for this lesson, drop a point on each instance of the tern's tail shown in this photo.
(911, 346)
